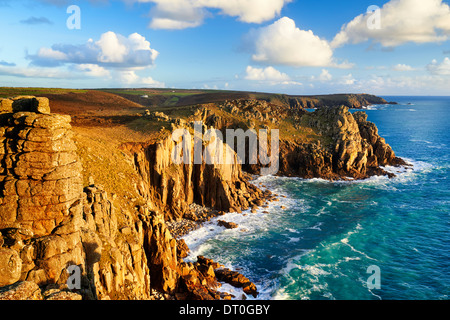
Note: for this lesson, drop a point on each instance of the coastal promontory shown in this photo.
(93, 207)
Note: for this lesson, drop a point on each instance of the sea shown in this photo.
(373, 239)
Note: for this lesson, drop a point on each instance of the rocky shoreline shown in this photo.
(125, 238)
(198, 215)
(196, 218)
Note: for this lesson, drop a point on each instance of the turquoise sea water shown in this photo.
(321, 245)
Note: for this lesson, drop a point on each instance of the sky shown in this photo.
(396, 47)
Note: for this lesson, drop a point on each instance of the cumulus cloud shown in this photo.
(93, 70)
(283, 43)
(325, 75)
(181, 14)
(129, 77)
(401, 21)
(266, 74)
(251, 11)
(176, 14)
(402, 67)
(442, 68)
(112, 56)
(111, 50)
(348, 79)
(269, 75)
(382, 85)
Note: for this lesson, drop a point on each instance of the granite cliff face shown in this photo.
(349, 146)
(353, 101)
(330, 143)
(173, 188)
(49, 221)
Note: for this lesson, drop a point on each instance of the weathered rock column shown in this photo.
(40, 190)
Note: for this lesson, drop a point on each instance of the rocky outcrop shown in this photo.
(226, 224)
(10, 266)
(350, 147)
(237, 280)
(352, 101)
(337, 144)
(49, 223)
(115, 255)
(40, 188)
(25, 290)
(173, 188)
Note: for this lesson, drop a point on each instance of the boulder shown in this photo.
(32, 104)
(25, 290)
(226, 224)
(237, 280)
(6, 105)
(10, 266)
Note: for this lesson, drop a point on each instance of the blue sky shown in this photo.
(396, 47)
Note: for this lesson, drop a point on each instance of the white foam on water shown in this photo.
(316, 226)
(238, 293)
(210, 236)
(255, 224)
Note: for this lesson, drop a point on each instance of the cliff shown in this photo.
(107, 199)
(348, 146)
(173, 188)
(184, 97)
(352, 101)
(329, 143)
(50, 222)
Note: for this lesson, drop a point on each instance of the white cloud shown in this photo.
(269, 76)
(291, 83)
(168, 23)
(111, 50)
(35, 72)
(113, 56)
(93, 70)
(176, 14)
(181, 14)
(402, 67)
(266, 74)
(282, 43)
(49, 53)
(251, 11)
(129, 78)
(401, 21)
(325, 75)
(442, 68)
(348, 80)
